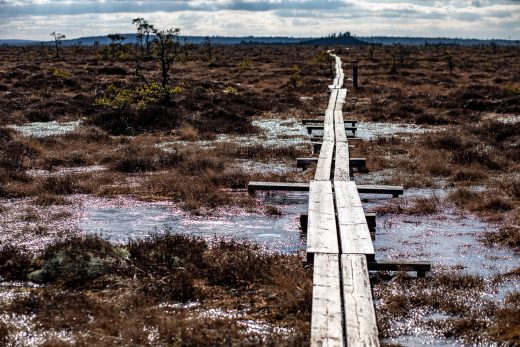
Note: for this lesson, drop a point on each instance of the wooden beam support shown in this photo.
(304, 187)
(352, 122)
(358, 163)
(318, 138)
(421, 267)
(395, 191)
(316, 147)
(371, 222)
(283, 186)
(311, 128)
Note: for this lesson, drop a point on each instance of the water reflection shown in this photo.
(120, 220)
(44, 129)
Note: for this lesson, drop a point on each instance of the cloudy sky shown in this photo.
(35, 19)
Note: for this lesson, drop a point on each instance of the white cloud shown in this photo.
(477, 18)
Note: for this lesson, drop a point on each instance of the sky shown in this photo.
(483, 19)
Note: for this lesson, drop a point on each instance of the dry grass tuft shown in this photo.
(422, 206)
(188, 133)
(418, 206)
(508, 236)
(506, 328)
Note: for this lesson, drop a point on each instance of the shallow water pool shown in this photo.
(449, 238)
(44, 129)
(120, 219)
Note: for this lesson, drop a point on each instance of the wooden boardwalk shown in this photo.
(338, 238)
(339, 232)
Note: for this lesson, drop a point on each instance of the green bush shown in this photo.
(136, 98)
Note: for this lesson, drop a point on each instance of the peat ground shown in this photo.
(190, 150)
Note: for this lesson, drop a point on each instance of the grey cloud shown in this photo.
(21, 8)
(289, 16)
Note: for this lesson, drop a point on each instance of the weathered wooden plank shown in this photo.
(321, 235)
(339, 127)
(324, 166)
(285, 186)
(328, 132)
(370, 218)
(332, 99)
(342, 95)
(353, 229)
(360, 317)
(303, 187)
(395, 191)
(421, 267)
(342, 162)
(341, 80)
(329, 117)
(326, 321)
(315, 137)
(312, 127)
(328, 126)
(352, 122)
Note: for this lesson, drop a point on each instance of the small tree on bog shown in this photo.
(165, 45)
(57, 42)
(116, 42)
(140, 33)
(207, 43)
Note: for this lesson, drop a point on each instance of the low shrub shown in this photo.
(15, 262)
(112, 70)
(133, 158)
(471, 173)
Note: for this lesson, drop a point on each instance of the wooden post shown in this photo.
(354, 74)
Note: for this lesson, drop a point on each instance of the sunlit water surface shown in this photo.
(120, 219)
(44, 129)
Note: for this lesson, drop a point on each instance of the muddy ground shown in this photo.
(89, 144)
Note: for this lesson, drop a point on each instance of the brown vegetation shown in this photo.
(472, 113)
(162, 290)
(455, 297)
(207, 98)
(124, 292)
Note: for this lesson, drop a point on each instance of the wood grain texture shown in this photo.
(342, 162)
(342, 95)
(324, 167)
(360, 317)
(326, 321)
(353, 229)
(339, 127)
(332, 100)
(321, 230)
(286, 186)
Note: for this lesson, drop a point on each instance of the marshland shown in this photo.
(125, 217)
